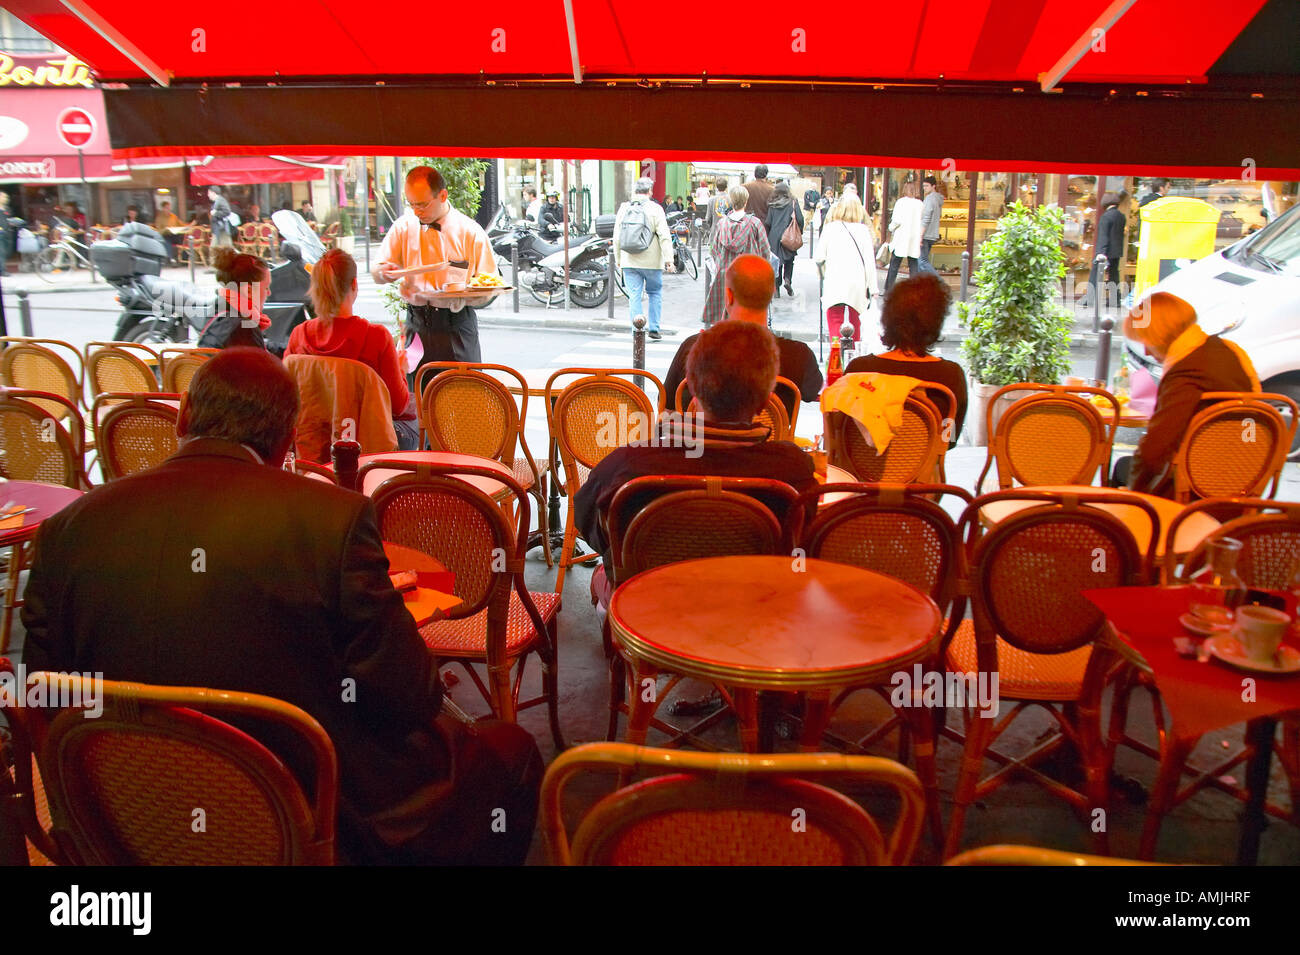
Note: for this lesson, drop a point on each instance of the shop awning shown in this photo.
(1117, 84)
(246, 170)
(30, 148)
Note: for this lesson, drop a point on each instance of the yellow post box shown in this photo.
(1173, 228)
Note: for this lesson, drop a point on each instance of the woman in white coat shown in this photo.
(847, 256)
(905, 234)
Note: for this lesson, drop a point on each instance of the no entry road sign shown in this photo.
(76, 127)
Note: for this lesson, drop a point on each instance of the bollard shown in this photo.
(846, 344)
(638, 348)
(611, 281)
(1099, 264)
(25, 312)
(812, 235)
(699, 247)
(514, 265)
(190, 240)
(345, 455)
(965, 274)
(1103, 350)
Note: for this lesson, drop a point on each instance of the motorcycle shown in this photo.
(588, 275)
(532, 247)
(157, 310)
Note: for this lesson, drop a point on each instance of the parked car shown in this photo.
(1248, 292)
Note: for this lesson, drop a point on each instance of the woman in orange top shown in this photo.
(337, 333)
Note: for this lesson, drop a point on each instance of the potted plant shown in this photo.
(1017, 330)
(346, 240)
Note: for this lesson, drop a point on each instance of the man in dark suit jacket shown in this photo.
(1194, 363)
(749, 286)
(219, 569)
(760, 193)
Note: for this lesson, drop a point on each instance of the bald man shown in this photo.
(749, 283)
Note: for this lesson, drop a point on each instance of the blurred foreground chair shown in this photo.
(1034, 856)
(729, 809)
(122, 787)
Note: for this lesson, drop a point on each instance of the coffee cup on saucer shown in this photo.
(1260, 631)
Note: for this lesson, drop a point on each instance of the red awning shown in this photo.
(1025, 84)
(31, 150)
(246, 170)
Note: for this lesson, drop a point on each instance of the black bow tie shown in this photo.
(436, 226)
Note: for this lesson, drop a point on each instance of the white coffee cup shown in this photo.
(1260, 630)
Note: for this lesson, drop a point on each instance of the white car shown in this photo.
(1250, 293)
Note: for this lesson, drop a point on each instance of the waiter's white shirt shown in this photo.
(408, 244)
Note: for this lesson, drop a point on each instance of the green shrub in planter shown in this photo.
(1017, 329)
(345, 222)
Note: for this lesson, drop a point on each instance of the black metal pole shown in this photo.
(821, 317)
(25, 311)
(638, 347)
(611, 281)
(1099, 264)
(699, 247)
(1103, 350)
(965, 275)
(4, 321)
(81, 166)
(514, 280)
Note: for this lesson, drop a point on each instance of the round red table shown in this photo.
(47, 500)
(756, 623)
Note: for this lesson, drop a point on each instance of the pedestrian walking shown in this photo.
(847, 258)
(931, 213)
(1110, 243)
(781, 209)
(643, 248)
(904, 234)
(737, 234)
(760, 193)
(219, 218)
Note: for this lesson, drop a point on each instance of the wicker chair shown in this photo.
(729, 809)
(498, 622)
(38, 445)
(662, 519)
(579, 416)
(42, 364)
(902, 531)
(124, 367)
(122, 787)
(195, 245)
(266, 239)
(916, 451)
(134, 432)
(246, 238)
(180, 364)
(1236, 447)
(1052, 435)
(1034, 856)
(466, 410)
(1269, 532)
(1045, 641)
(773, 416)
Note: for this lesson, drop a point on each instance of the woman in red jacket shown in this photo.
(337, 333)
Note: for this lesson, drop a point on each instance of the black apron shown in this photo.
(445, 335)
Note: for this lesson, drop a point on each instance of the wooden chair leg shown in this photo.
(617, 694)
(978, 734)
(16, 556)
(1161, 800)
(566, 552)
(1290, 757)
(544, 520)
(921, 726)
(551, 685)
(747, 718)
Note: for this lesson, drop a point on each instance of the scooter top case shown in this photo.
(137, 250)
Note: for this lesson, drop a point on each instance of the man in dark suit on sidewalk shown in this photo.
(219, 569)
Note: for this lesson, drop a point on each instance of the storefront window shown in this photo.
(520, 173)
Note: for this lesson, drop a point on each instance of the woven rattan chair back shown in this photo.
(123, 787)
(913, 452)
(662, 519)
(1052, 435)
(1269, 532)
(32, 366)
(120, 367)
(180, 364)
(314, 471)
(429, 510)
(730, 809)
(134, 432)
(35, 445)
(892, 529)
(1028, 573)
(1234, 448)
(469, 412)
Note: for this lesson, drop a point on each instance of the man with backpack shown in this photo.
(643, 248)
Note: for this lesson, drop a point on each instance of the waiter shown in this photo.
(431, 232)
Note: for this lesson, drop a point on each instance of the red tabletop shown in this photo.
(380, 475)
(761, 623)
(1200, 696)
(47, 499)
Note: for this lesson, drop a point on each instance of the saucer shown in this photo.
(1199, 627)
(1229, 650)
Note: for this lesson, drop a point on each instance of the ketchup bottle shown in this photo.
(834, 369)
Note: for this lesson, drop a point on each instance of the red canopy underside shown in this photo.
(958, 79)
(245, 170)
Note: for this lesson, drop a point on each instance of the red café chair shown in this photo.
(499, 622)
(120, 789)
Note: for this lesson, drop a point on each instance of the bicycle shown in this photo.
(62, 254)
